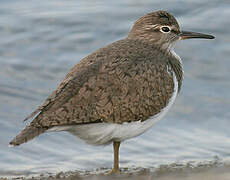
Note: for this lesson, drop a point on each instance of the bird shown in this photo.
(119, 91)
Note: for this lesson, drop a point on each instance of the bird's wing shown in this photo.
(113, 84)
(69, 86)
(122, 82)
(58, 92)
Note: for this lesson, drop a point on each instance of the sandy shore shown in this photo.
(213, 171)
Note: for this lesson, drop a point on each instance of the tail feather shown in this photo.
(27, 134)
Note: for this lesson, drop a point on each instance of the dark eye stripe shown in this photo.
(174, 31)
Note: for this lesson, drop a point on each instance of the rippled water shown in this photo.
(41, 40)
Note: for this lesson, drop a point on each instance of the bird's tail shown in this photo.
(27, 134)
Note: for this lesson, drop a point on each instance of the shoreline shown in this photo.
(211, 171)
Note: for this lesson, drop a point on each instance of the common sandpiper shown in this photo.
(119, 91)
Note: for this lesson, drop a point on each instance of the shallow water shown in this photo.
(41, 41)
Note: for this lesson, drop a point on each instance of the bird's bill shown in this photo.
(189, 35)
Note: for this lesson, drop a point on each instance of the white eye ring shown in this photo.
(165, 29)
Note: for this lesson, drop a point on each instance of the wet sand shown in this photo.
(209, 171)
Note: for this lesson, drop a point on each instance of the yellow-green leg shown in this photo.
(115, 169)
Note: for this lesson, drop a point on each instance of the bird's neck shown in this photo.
(177, 67)
(175, 62)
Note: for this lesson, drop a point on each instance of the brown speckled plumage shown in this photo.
(129, 80)
(120, 86)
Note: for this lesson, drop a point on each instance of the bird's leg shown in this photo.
(116, 146)
(115, 169)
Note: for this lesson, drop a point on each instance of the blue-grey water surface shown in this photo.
(41, 40)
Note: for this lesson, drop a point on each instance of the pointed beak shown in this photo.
(189, 35)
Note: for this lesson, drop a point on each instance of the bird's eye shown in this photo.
(165, 29)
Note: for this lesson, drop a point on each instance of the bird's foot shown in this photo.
(114, 171)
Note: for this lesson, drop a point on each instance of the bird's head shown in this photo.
(161, 28)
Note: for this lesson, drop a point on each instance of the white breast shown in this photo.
(105, 133)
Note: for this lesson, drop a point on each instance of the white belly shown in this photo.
(105, 133)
